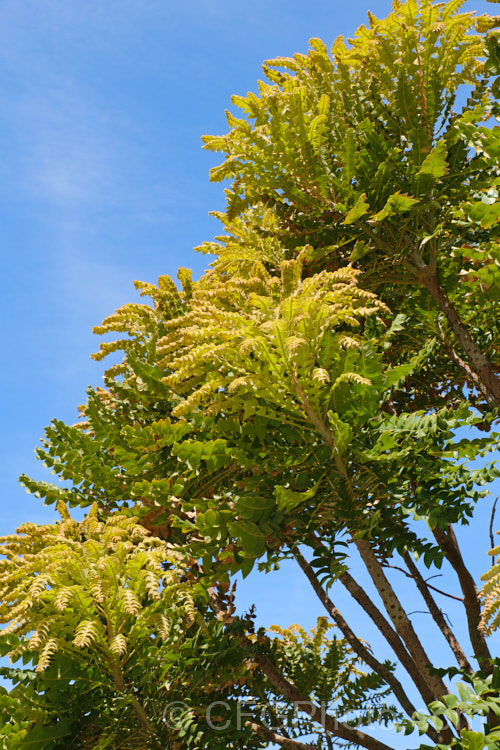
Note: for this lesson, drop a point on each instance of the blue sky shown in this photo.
(103, 181)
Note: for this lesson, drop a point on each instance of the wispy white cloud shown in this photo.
(69, 174)
(75, 155)
(66, 150)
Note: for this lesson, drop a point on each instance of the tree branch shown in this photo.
(485, 376)
(293, 694)
(426, 581)
(448, 543)
(121, 686)
(468, 371)
(436, 613)
(286, 742)
(399, 618)
(358, 646)
(302, 703)
(389, 634)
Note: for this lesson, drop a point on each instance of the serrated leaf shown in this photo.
(434, 164)
(397, 203)
(397, 374)
(360, 208)
(287, 499)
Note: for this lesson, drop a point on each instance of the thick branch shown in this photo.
(302, 703)
(474, 377)
(487, 379)
(448, 543)
(271, 736)
(389, 634)
(436, 613)
(399, 618)
(397, 614)
(308, 409)
(293, 694)
(358, 647)
(120, 684)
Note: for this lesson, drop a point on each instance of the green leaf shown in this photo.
(211, 518)
(360, 250)
(192, 452)
(451, 701)
(485, 214)
(397, 324)
(253, 507)
(349, 155)
(422, 724)
(397, 203)
(287, 499)
(397, 374)
(465, 692)
(473, 740)
(451, 715)
(251, 537)
(434, 164)
(360, 208)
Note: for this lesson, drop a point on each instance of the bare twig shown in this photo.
(429, 585)
(436, 613)
(492, 520)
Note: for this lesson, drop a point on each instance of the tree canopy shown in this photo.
(320, 393)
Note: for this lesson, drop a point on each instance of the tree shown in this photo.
(318, 391)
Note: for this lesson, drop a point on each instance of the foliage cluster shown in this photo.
(318, 395)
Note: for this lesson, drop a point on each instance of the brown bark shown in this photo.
(487, 379)
(437, 615)
(302, 703)
(121, 686)
(389, 634)
(448, 543)
(358, 646)
(399, 618)
(393, 607)
(271, 736)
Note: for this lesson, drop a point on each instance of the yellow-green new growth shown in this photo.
(263, 336)
(95, 585)
(490, 594)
